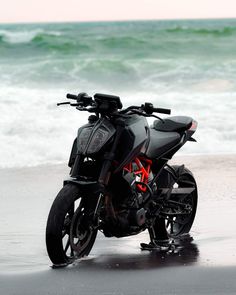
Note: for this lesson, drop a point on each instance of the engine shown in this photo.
(125, 212)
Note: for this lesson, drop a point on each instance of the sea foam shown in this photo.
(24, 36)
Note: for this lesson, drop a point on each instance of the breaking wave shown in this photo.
(18, 37)
(132, 38)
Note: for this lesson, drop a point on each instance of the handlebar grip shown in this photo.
(71, 96)
(162, 111)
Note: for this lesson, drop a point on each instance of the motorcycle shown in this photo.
(120, 181)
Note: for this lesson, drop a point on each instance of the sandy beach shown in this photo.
(205, 265)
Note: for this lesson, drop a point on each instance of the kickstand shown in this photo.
(161, 245)
(155, 244)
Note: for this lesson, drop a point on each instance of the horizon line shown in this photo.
(118, 20)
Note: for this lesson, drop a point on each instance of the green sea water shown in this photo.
(189, 66)
(126, 52)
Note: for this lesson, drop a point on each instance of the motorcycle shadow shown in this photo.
(182, 251)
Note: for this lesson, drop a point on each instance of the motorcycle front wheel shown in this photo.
(70, 233)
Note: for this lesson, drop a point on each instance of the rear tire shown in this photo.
(174, 226)
(69, 233)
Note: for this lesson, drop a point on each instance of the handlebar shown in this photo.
(109, 105)
(71, 96)
(162, 111)
(149, 109)
(82, 99)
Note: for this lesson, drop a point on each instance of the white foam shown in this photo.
(35, 131)
(19, 37)
(24, 36)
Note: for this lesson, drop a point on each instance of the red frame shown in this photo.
(144, 167)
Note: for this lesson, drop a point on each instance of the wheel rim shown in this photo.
(80, 231)
(75, 236)
(179, 224)
(68, 250)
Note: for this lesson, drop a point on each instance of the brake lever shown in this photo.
(90, 110)
(61, 103)
(74, 104)
(157, 118)
(80, 108)
(147, 115)
(71, 104)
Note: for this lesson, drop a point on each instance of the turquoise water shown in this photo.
(132, 53)
(189, 66)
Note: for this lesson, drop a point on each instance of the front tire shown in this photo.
(69, 233)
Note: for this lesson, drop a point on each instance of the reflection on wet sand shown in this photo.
(182, 251)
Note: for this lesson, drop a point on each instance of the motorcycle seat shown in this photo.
(160, 142)
(173, 124)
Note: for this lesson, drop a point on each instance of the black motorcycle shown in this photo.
(120, 181)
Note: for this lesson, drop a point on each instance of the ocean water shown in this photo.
(188, 66)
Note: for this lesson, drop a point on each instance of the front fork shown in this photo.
(98, 188)
(97, 210)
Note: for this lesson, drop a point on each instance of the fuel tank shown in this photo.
(133, 141)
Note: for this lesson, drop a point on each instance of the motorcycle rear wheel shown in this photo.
(174, 226)
(69, 232)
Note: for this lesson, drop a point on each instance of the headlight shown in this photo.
(98, 139)
(83, 139)
(91, 139)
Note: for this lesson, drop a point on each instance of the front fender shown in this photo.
(86, 187)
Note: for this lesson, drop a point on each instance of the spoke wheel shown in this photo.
(69, 235)
(81, 231)
(180, 224)
(178, 220)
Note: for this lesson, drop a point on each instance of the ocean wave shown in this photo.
(169, 66)
(122, 41)
(17, 37)
(132, 42)
(31, 42)
(225, 31)
(58, 40)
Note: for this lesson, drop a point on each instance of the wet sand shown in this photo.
(206, 265)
